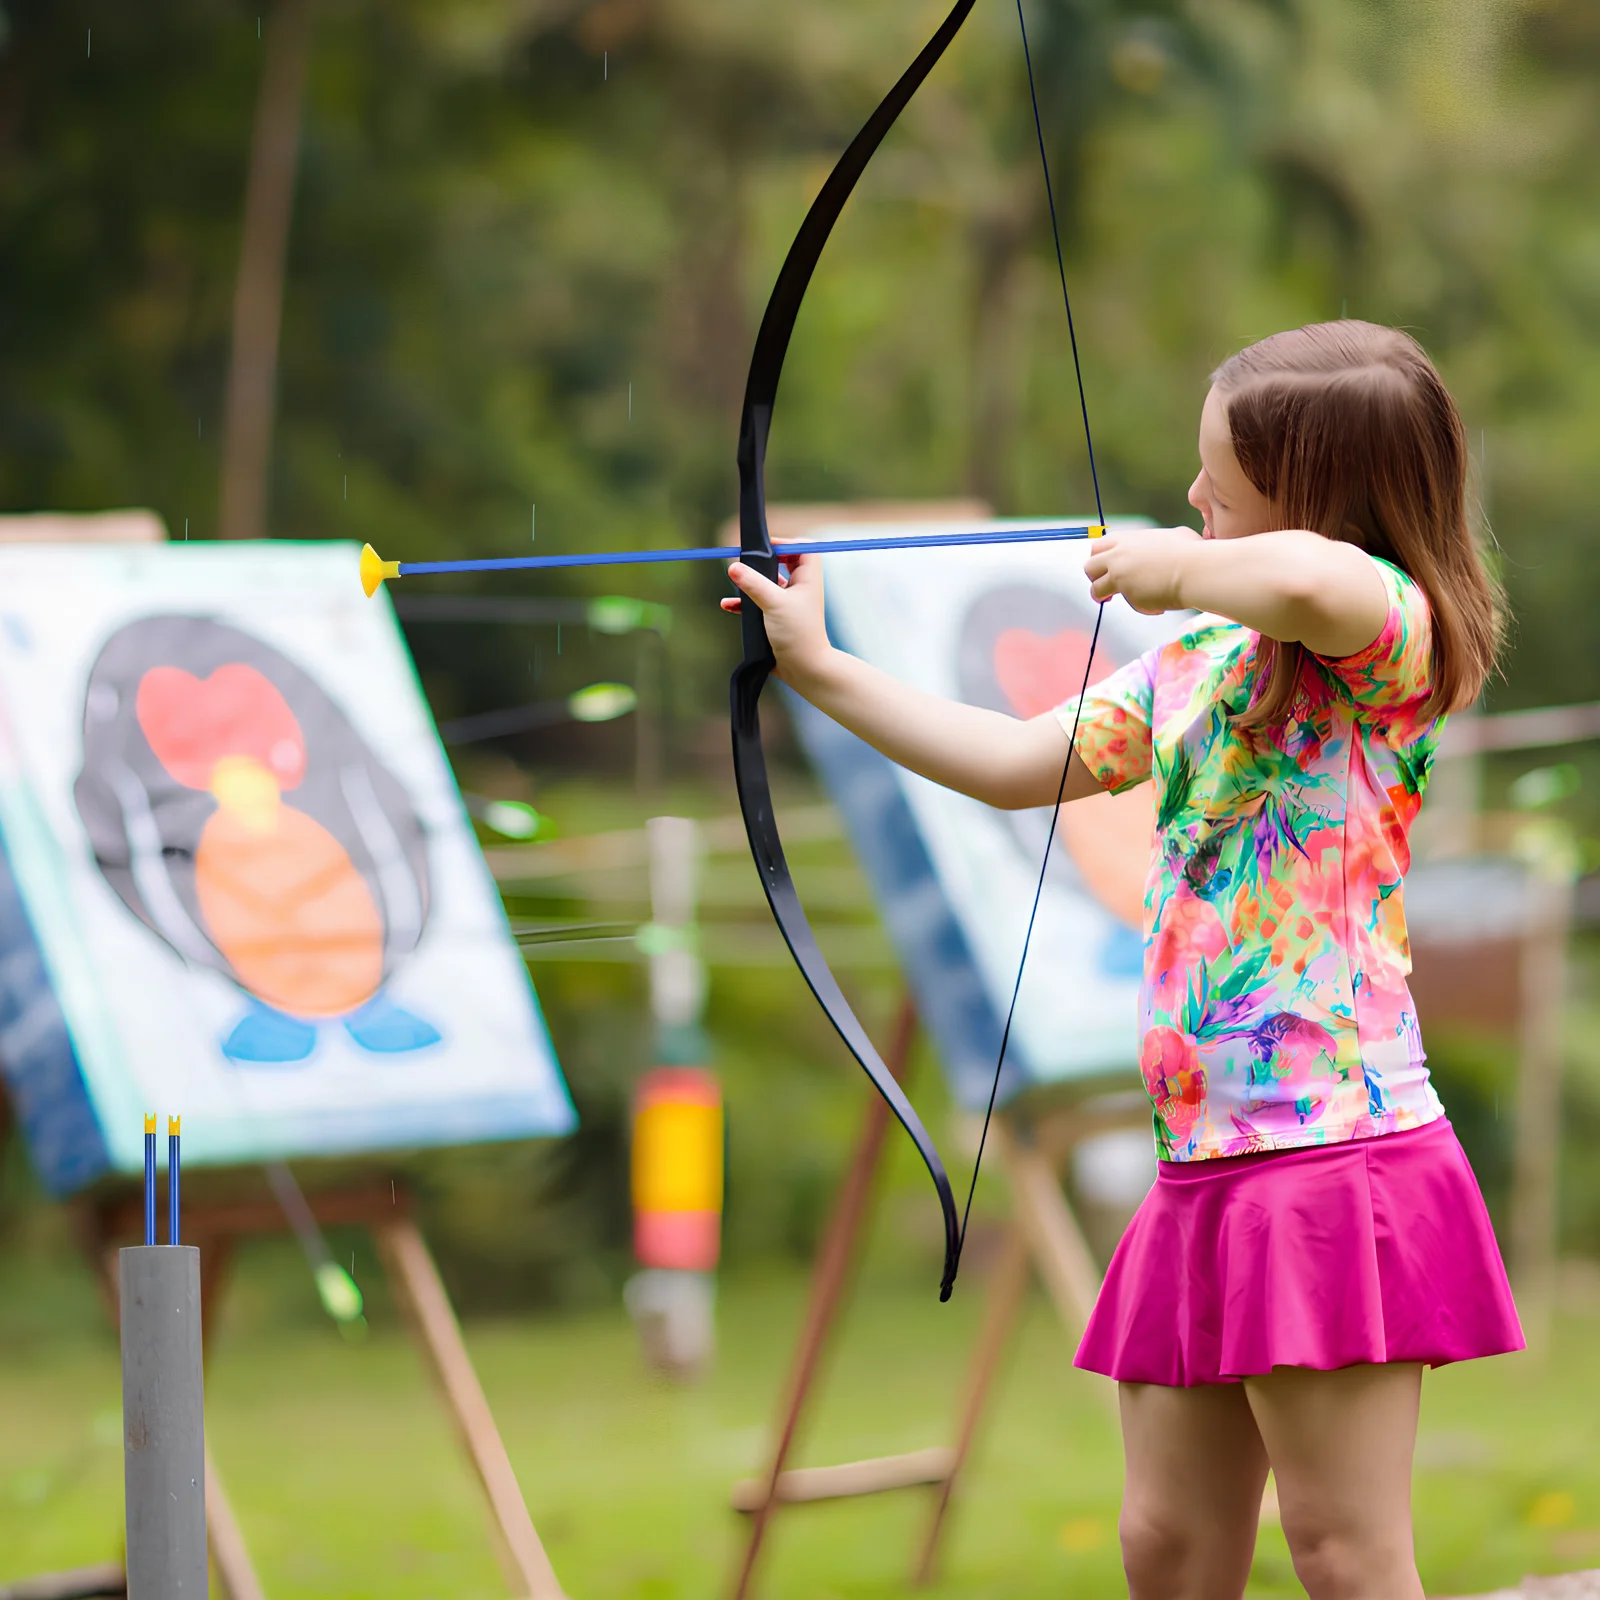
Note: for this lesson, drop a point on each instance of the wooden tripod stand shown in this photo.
(1044, 1234)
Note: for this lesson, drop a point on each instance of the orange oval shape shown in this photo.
(291, 913)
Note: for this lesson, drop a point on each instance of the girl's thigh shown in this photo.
(1341, 1445)
(1342, 1438)
(1196, 1467)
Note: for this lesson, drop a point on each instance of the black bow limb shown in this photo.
(750, 677)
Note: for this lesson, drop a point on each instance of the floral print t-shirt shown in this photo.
(1274, 1012)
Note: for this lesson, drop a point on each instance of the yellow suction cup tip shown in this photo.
(374, 569)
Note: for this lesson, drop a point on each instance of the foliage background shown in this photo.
(531, 242)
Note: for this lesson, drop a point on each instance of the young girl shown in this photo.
(1315, 1237)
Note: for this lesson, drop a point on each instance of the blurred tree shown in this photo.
(530, 241)
(258, 283)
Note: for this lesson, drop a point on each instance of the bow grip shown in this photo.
(755, 543)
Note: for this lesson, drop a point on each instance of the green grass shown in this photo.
(348, 1482)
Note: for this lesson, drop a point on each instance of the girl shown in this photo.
(1315, 1237)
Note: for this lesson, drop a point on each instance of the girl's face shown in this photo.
(1231, 505)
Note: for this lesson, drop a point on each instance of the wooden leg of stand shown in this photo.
(422, 1294)
(229, 1555)
(829, 1279)
(94, 1240)
(1004, 1300)
(1059, 1248)
(216, 1256)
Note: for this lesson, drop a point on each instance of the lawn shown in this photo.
(349, 1484)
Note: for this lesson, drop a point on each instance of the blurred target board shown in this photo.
(236, 877)
(1007, 627)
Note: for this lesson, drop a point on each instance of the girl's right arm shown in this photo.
(985, 754)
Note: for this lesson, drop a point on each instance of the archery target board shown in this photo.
(1007, 627)
(237, 882)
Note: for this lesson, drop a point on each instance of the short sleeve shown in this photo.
(1114, 728)
(1397, 667)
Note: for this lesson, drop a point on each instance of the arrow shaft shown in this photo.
(798, 547)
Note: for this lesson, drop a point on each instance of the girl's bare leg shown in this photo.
(1341, 1445)
(1196, 1467)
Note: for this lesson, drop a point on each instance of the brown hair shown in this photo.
(1349, 432)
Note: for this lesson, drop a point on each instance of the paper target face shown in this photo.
(237, 880)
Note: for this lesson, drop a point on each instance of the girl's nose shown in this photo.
(1196, 492)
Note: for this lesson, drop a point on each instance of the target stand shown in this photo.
(1043, 1235)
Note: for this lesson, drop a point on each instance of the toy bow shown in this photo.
(750, 677)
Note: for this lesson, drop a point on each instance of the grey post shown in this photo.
(163, 1423)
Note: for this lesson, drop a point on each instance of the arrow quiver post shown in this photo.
(163, 1401)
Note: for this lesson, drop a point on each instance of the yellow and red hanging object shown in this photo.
(677, 1170)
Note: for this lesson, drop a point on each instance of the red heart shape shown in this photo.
(1037, 673)
(192, 723)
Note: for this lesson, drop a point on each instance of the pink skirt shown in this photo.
(1376, 1250)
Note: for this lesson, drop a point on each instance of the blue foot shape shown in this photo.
(384, 1028)
(267, 1038)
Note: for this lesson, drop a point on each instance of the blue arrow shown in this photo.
(374, 570)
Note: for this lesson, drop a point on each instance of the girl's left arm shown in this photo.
(1293, 586)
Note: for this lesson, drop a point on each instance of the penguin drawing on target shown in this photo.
(235, 810)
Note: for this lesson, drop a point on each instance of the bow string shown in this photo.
(1094, 637)
(751, 675)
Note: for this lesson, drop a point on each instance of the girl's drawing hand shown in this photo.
(1144, 565)
(795, 626)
